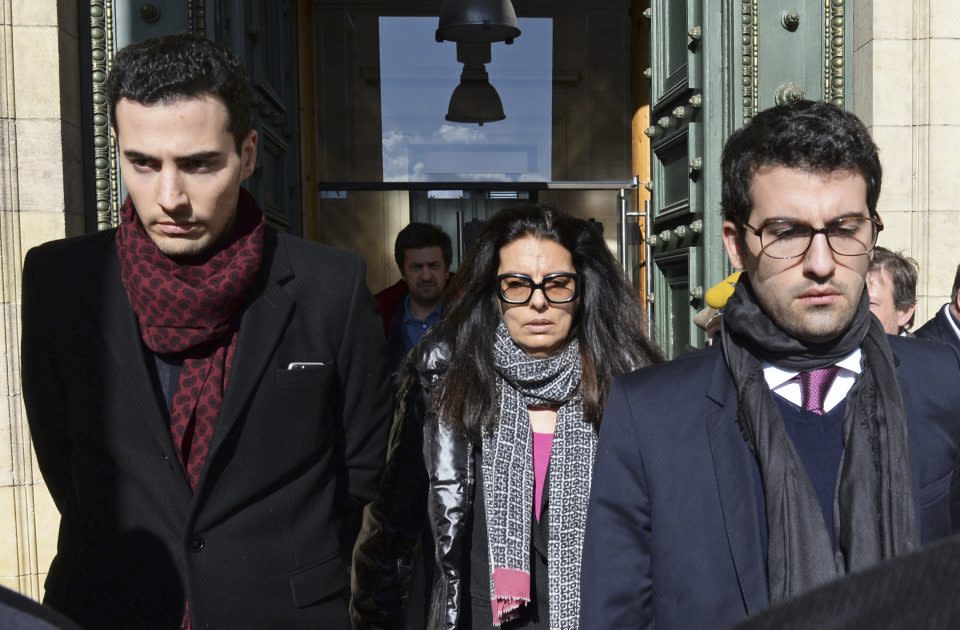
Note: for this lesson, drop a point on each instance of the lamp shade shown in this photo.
(477, 21)
(474, 100)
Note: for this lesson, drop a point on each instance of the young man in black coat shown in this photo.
(207, 396)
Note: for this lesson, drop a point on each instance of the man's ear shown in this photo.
(732, 241)
(904, 316)
(248, 154)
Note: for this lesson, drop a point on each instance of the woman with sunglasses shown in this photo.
(496, 429)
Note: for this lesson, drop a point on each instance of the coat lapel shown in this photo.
(261, 328)
(121, 336)
(736, 483)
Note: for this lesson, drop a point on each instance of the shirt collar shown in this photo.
(408, 317)
(777, 376)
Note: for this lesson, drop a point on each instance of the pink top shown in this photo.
(542, 444)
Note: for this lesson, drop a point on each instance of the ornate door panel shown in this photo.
(714, 65)
(676, 140)
(263, 34)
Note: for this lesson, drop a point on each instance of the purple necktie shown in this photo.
(814, 385)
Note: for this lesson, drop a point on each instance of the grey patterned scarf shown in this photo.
(507, 460)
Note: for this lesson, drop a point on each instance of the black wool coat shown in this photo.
(264, 540)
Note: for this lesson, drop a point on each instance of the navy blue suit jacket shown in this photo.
(676, 530)
(940, 329)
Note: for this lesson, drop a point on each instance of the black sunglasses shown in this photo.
(558, 288)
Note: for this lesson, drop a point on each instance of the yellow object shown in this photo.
(718, 294)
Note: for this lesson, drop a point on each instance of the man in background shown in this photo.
(413, 305)
(892, 285)
(945, 325)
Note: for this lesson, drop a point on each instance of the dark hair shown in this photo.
(184, 65)
(418, 235)
(810, 135)
(956, 287)
(609, 323)
(903, 273)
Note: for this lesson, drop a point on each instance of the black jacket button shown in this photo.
(197, 543)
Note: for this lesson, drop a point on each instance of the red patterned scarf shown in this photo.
(192, 310)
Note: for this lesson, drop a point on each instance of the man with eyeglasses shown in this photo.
(806, 444)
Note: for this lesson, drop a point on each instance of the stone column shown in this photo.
(40, 200)
(906, 91)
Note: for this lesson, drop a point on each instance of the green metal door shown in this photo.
(715, 63)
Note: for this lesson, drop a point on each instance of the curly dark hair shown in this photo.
(810, 135)
(609, 323)
(184, 65)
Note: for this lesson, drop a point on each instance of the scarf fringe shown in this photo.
(511, 593)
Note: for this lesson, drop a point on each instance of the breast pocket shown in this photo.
(310, 377)
(305, 400)
(934, 502)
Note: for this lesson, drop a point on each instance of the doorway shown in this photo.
(386, 149)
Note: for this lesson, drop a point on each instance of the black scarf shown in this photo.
(873, 509)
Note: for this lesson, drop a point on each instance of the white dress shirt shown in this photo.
(782, 382)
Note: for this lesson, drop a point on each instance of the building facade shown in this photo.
(615, 111)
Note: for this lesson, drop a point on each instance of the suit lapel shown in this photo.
(261, 327)
(121, 336)
(736, 483)
(946, 328)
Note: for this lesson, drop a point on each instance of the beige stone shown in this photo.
(40, 165)
(6, 446)
(892, 19)
(893, 82)
(10, 334)
(944, 18)
(897, 232)
(47, 525)
(7, 108)
(37, 476)
(36, 71)
(40, 227)
(30, 586)
(920, 230)
(944, 87)
(896, 155)
(35, 12)
(944, 251)
(9, 553)
(944, 171)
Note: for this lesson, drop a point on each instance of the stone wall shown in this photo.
(40, 200)
(906, 91)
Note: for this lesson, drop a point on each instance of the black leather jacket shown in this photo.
(428, 479)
